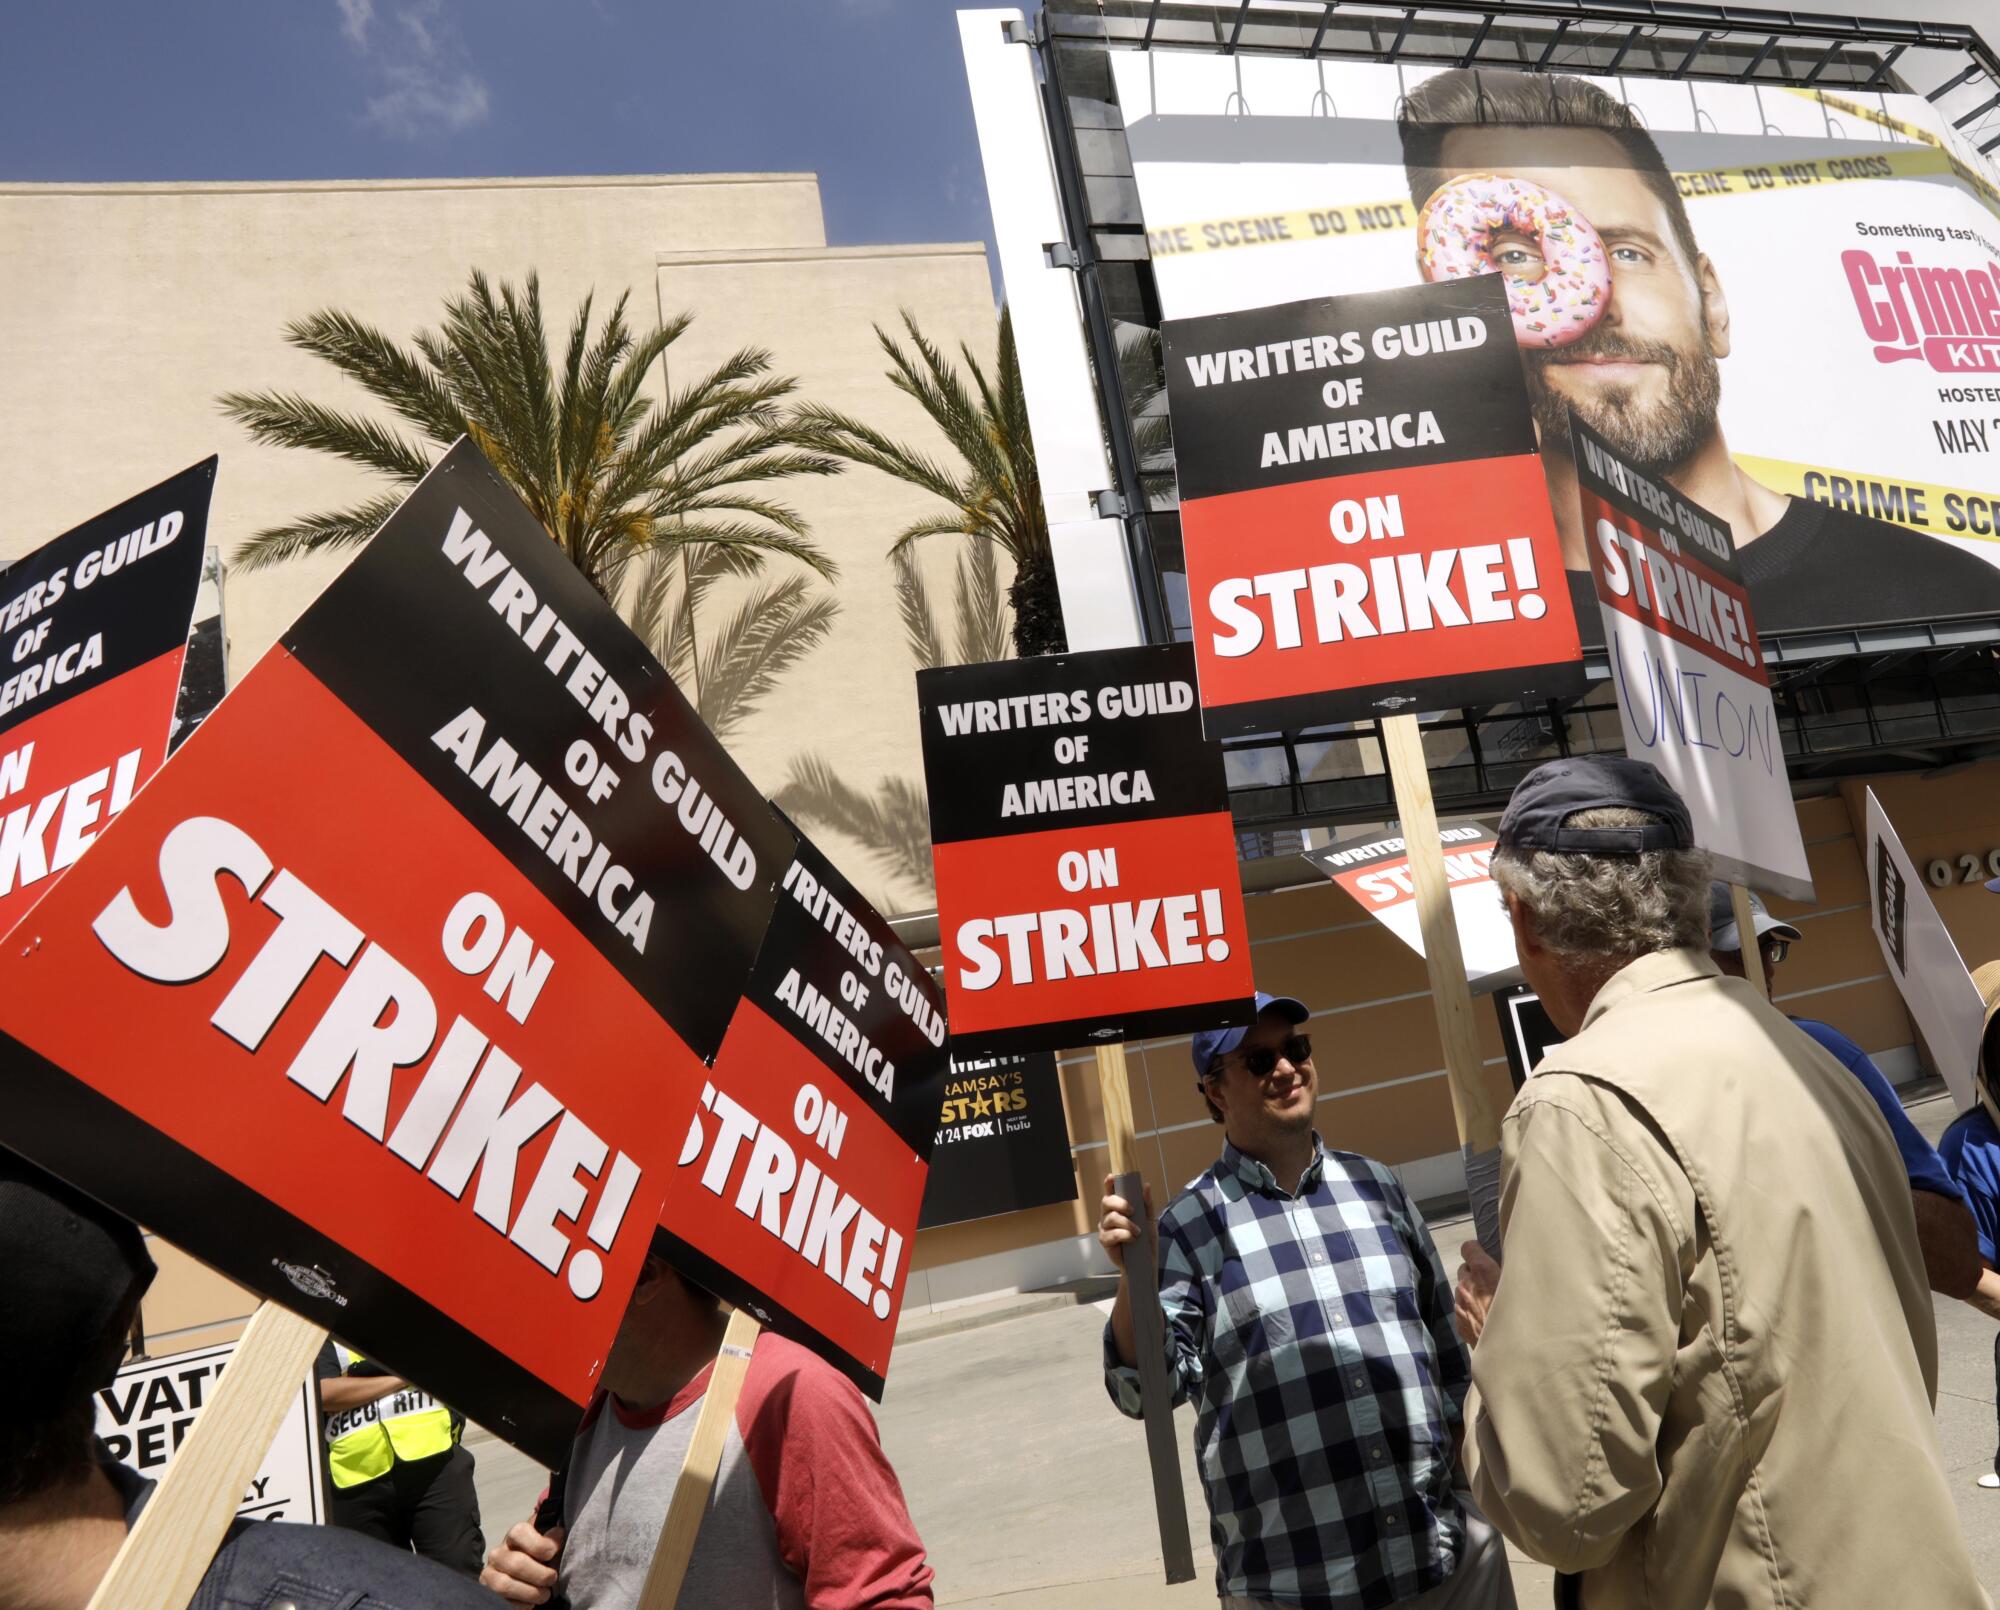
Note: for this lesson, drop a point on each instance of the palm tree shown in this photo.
(654, 502)
(994, 493)
(893, 823)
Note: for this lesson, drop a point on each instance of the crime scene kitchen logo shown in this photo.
(1948, 318)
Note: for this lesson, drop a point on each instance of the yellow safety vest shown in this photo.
(363, 1443)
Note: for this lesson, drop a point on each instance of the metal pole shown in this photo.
(1103, 340)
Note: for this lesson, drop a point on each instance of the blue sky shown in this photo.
(869, 94)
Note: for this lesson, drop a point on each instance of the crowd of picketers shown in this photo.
(1700, 1372)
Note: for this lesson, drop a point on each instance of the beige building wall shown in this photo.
(126, 309)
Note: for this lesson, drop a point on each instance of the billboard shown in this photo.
(1362, 510)
(1086, 862)
(1002, 1141)
(1694, 698)
(1784, 303)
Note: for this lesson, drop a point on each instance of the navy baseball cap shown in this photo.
(1211, 1047)
(73, 1270)
(1556, 790)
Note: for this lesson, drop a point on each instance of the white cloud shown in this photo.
(425, 82)
(420, 100)
(355, 16)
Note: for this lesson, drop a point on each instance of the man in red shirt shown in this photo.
(806, 1513)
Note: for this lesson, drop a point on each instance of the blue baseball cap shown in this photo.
(1209, 1048)
(1993, 884)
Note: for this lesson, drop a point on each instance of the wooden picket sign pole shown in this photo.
(1149, 1324)
(1451, 996)
(697, 1479)
(1746, 936)
(164, 1556)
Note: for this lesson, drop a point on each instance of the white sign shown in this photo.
(144, 1415)
(1376, 872)
(1926, 965)
(1693, 696)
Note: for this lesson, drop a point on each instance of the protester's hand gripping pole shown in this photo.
(1451, 997)
(704, 1456)
(1746, 938)
(165, 1555)
(1149, 1324)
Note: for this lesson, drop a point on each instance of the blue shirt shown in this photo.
(1926, 1169)
(1971, 1150)
(1313, 1332)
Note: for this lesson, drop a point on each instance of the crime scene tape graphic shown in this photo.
(1935, 510)
(1933, 157)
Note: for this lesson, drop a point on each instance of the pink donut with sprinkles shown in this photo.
(1456, 238)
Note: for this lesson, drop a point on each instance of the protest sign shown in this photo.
(145, 1413)
(1376, 871)
(1086, 865)
(1932, 977)
(380, 995)
(800, 1179)
(1002, 1141)
(96, 627)
(1363, 512)
(1693, 696)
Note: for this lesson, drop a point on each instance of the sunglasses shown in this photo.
(1776, 950)
(1261, 1059)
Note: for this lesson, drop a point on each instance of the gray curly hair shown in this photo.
(1611, 905)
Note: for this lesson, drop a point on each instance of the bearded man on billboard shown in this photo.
(1647, 375)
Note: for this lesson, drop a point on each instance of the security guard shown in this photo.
(398, 1471)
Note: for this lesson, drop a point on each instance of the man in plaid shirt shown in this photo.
(1310, 1322)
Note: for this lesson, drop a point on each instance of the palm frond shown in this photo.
(913, 603)
(942, 525)
(319, 533)
(771, 630)
(285, 419)
(403, 382)
(994, 488)
(892, 825)
(983, 628)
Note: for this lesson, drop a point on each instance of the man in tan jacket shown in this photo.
(1706, 1377)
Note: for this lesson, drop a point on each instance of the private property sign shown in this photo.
(1085, 857)
(145, 1413)
(388, 996)
(1363, 510)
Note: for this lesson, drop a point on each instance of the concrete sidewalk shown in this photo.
(1031, 1490)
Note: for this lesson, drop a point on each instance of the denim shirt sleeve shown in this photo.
(1184, 1304)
